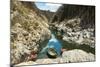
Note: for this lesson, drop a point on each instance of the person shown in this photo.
(32, 56)
(53, 48)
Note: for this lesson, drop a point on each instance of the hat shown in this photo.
(51, 53)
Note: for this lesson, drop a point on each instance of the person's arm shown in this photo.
(44, 49)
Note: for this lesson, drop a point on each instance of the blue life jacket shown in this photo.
(55, 44)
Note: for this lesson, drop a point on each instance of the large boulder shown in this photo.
(77, 55)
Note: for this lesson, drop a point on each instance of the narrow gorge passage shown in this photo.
(45, 33)
(62, 22)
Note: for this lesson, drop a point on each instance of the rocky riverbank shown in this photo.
(73, 33)
(70, 56)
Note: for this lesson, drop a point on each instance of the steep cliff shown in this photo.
(28, 29)
(76, 22)
(86, 13)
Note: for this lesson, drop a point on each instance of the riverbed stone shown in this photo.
(77, 55)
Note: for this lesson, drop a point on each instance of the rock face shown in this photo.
(86, 13)
(77, 24)
(28, 29)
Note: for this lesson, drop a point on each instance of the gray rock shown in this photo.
(77, 55)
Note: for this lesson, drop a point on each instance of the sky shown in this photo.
(48, 6)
